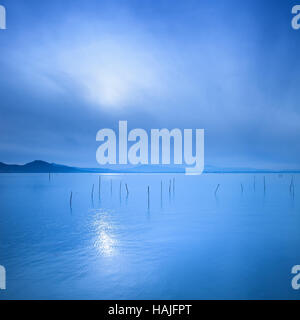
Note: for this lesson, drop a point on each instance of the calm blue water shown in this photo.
(190, 244)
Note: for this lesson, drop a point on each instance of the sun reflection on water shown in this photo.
(105, 241)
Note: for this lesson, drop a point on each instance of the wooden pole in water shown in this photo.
(292, 187)
(170, 185)
(71, 198)
(242, 188)
(218, 186)
(292, 184)
(49, 177)
(148, 197)
(254, 183)
(127, 189)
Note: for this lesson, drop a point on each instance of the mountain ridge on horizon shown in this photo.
(40, 166)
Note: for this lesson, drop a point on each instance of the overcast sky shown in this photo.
(70, 68)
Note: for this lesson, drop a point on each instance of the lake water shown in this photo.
(189, 243)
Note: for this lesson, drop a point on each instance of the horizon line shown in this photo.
(128, 171)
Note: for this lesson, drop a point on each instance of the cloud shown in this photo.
(105, 66)
(186, 69)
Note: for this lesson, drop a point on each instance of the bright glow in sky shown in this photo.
(112, 74)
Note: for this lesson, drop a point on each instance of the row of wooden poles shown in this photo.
(291, 188)
(171, 187)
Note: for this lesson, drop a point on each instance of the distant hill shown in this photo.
(39, 166)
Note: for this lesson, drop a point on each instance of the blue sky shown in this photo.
(71, 68)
